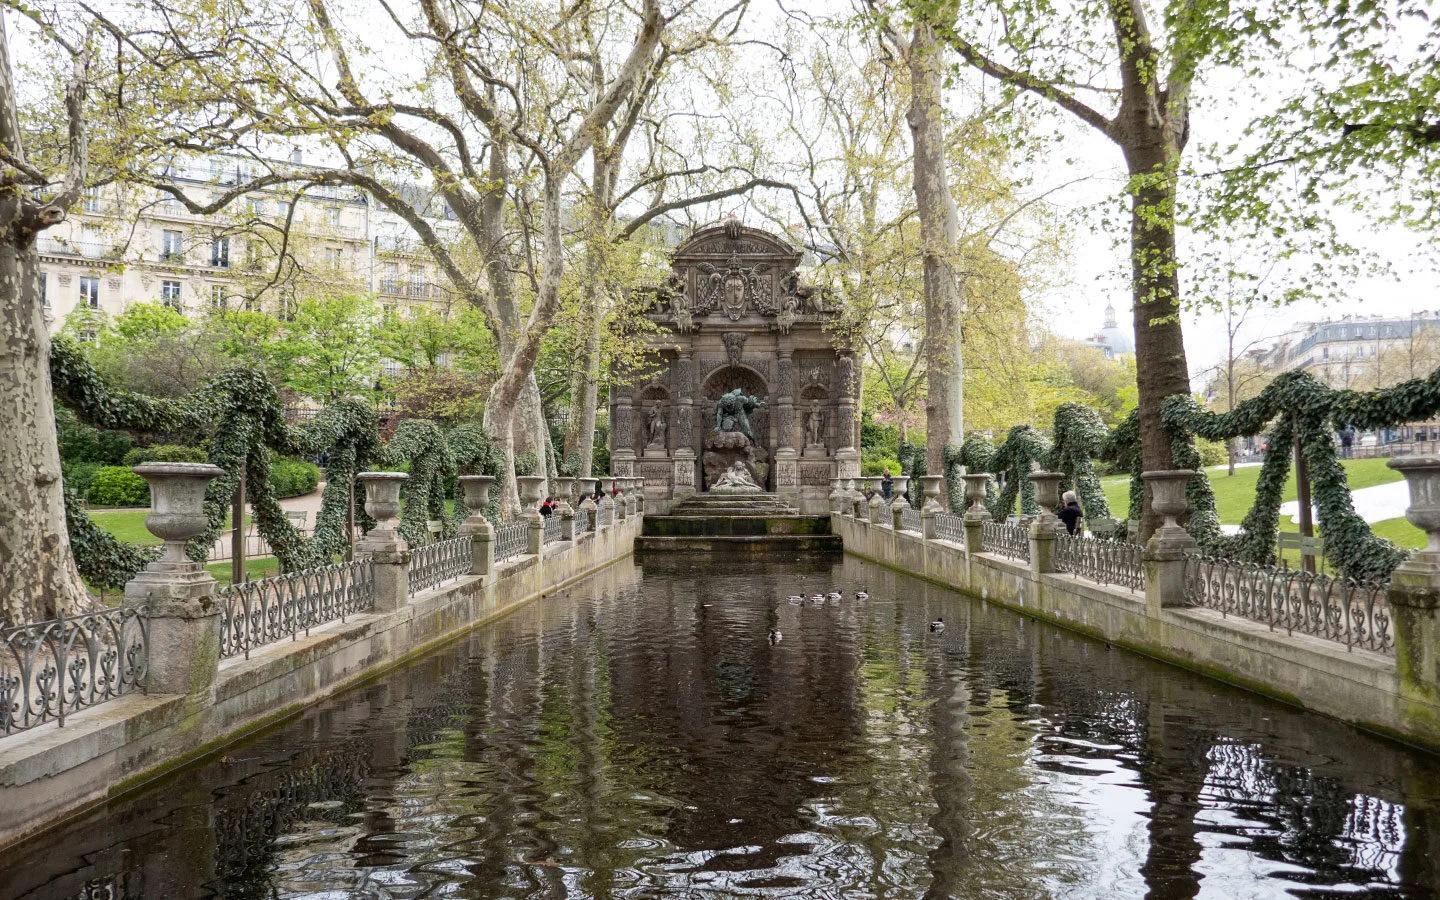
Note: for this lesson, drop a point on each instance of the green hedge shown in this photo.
(293, 477)
(165, 453)
(878, 466)
(118, 486)
(78, 475)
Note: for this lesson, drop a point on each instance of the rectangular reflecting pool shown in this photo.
(639, 735)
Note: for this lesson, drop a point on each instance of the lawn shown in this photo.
(259, 567)
(128, 525)
(1235, 493)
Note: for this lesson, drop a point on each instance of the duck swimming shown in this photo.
(775, 636)
(834, 595)
(795, 599)
(938, 625)
(862, 595)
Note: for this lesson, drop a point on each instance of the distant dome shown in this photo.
(1112, 337)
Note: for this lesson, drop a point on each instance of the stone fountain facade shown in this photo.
(734, 315)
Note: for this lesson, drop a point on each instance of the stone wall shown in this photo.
(1358, 686)
(51, 773)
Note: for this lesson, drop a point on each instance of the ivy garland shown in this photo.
(977, 454)
(1079, 436)
(912, 462)
(421, 443)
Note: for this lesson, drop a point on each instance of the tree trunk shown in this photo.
(38, 579)
(1160, 365)
(940, 233)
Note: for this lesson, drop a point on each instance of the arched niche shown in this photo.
(652, 395)
(726, 379)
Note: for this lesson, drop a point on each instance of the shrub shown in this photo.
(877, 466)
(78, 475)
(81, 443)
(118, 486)
(1212, 453)
(165, 453)
(293, 477)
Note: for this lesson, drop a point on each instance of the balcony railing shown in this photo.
(395, 243)
(78, 249)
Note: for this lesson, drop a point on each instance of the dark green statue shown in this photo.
(732, 412)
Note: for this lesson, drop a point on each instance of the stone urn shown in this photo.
(873, 485)
(382, 497)
(899, 484)
(837, 493)
(1167, 498)
(1422, 475)
(975, 485)
(563, 488)
(586, 487)
(530, 493)
(477, 492)
(177, 503)
(1047, 495)
(932, 485)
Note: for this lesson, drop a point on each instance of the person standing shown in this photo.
(1071, 514)
(887, 485)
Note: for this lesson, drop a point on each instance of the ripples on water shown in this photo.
(637, 736)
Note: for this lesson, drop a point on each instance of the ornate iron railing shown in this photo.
(949, 528)
(511, 540)
(256, 613)
(55, 668)
(552, 528)
(582, 521)
(435, 564)
(1353, 613)
(1006, 540)
(603, 517)
(1103, 561)
(910, 519)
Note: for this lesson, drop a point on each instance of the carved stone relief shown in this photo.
(734, 346)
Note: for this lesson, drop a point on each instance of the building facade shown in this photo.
(124, 244)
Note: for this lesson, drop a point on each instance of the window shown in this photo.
(45, 289)
(170, 293)
(92, 200)
(89, 337)
(172, 246)
(332, 215)
(90, 291)
(333, 256)
(217, 296)
(282, 208)
(1325, 353)
(256, 206)
(220, 253)
(253, 258)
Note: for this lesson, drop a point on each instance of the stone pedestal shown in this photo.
(683, 477)
(1171, 545)
(976, 515)
(1414, 592)
(787, 475)
(531, 487)
(383, 545)
(477, 527)
(1047, 526)
(179, 594)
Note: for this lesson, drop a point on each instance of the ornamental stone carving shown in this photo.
(734, 346)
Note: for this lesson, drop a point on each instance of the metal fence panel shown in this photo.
(1353, 613)
(1103, 561)
(52, 669)
(435, 564)
(257, 613)
(552, 529)
(910, 519)
(950, 528)
(1005, 539)
(511, 540)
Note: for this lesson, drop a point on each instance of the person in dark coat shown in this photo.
(887, 484)
(1071, 514)
(547, 509)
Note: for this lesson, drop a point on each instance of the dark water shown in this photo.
(637, 736)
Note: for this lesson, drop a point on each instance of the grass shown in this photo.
(259, 567)
(1235, 493)
(128, 525)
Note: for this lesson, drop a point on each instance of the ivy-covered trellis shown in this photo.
(240, 412)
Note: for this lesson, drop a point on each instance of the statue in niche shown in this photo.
(785, 319)
(734, 346)
(655, 428)
(815, 426)
(684, 319)
(735, 480)
(732, 412)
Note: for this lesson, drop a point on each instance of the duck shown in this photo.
(775, 636)
(862, 595)
(938, 625)
(834, 595)
(818, 599)
(795, 599)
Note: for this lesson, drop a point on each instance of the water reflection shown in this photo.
(638, 737)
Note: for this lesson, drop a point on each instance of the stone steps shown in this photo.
(760, 504)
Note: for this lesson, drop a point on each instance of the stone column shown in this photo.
(877, 500)
(860, 502)
(847, 457)
(1169, 546)
(586, 488)
(897, 513)
(1047, 526)
(387, 550)
(1414, 591)
(181, 597)
(976, 515)
(530, 488)
(932, 506)
(482, 548)
(837, 495)
(787, 459)
(682, 478)
(622, 453)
